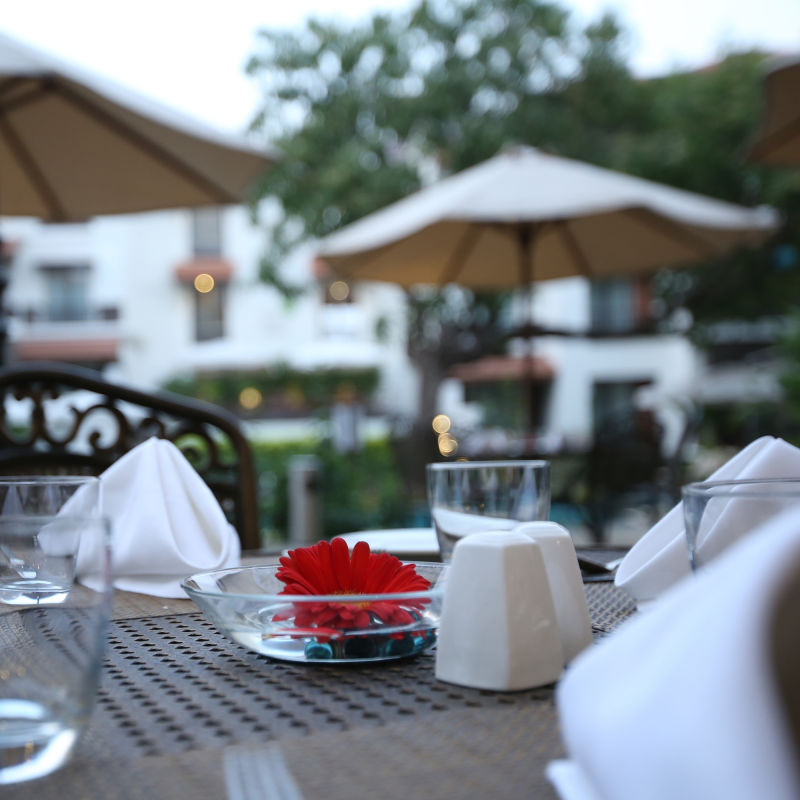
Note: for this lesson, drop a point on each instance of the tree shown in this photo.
(367, 115)
(702, 124)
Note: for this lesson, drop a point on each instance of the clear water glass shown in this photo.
(52, 637)
(719, 513)
(43, 495)
(477, 496)
(36, 552)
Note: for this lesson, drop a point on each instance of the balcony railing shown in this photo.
(73, 315)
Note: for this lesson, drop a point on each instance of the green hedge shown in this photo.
(280, 386)
(361, 490)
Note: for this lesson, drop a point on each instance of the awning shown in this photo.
(491, 369)
(219, 269)
(7, 248)
(100, 349)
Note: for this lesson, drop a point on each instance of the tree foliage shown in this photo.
(368, 114)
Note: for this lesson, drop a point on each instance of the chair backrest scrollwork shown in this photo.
(58, 418)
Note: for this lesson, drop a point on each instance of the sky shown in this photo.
(191, 55)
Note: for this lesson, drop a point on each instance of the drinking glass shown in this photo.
(36, 550)
(52, 636)
(719, 513)
(43, 495)
(473, 496)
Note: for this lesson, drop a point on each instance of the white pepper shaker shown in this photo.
(566, 584)
(498, 628)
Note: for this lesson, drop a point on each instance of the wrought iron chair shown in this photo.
(57, 418)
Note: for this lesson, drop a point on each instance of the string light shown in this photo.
(441, 423)
(204, 283)
(447, 444)
(339, 291)
(250, 398)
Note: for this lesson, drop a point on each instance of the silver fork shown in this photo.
(258, 772)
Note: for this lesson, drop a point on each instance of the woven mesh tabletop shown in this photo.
(174, 688)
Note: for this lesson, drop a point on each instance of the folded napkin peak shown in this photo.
(166, 522)
(181, 492)
(660, 558)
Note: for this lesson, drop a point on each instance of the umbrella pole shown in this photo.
(526, 233)
(5, 267)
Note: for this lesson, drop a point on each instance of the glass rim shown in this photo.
(28, 480)
(16, 519)
(742, 487)
(192, 586)
(538, 462)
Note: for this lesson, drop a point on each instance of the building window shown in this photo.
(209, 317)
(337, 292)
(616, 415)
(613, 305)
(613, 404)
(620, 305)
(67, 292)
(627, 448)
(207, 280)
(207, 232)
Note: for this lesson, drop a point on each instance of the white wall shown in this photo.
(399, 387)
(156, 313)
(563, 304)
(668, 362)
(134, 257)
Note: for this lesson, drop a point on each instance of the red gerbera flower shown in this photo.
(328, 568)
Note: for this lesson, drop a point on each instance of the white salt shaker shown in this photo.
(566, 584)
(498, 628)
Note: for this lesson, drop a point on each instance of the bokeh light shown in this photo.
(250, 398)
(447, 444)
(339, 291)
(204, 283)
(441, 423)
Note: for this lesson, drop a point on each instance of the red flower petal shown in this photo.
(362, 619)
(296, 588)
(307, 563)
(359, 567)
(405, 580)
(326, 567)
(382, 567)
(340, 555)
(295, 578)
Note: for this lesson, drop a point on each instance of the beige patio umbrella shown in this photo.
(778, 137)
(526, 216)
(74, 145)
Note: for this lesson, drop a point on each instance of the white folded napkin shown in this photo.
(660, 558)
(166, 522)
(683, 701)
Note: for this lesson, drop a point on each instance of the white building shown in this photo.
(119, 293)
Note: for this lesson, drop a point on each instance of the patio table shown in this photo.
(175, 693)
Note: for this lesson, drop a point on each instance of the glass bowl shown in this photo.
(245, 604)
